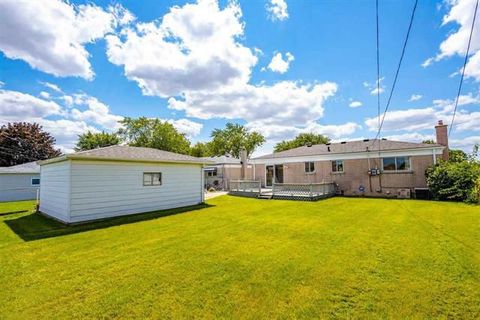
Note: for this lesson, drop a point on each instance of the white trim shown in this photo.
(351, 156)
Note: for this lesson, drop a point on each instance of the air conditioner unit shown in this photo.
(403, 193)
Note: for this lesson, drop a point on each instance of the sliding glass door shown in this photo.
(273, 173)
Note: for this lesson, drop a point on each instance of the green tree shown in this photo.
(429, 141)
(201, 149)
(457, 156)
(153, 133)
(90, 140)
(22, 142)
(233, 138)
(301, 140)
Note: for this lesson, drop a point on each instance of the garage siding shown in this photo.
(55, 190)
(18, 186)
(102, 189)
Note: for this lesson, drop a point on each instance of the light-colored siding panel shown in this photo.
(102, 189)
(55, 190)
(17, 186)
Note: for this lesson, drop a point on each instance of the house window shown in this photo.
(396, 164)
(35, 181)
(337, 166)
(152, 178)
(212, 173)
(309, 167)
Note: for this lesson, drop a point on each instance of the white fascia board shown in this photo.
(353, 155)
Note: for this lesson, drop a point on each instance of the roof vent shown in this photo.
(309, 144)
(328, 143)
(366, 140)
(328, 148)
(343, 142)
(384, 139)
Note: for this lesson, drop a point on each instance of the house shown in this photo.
(222, 170)
(116, 181)
(19, 182)
(367, 167)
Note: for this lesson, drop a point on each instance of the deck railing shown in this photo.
(252, 186)
(312, 190)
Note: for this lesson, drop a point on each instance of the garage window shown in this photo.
(152, 178)
(309, 167)
(35, 181)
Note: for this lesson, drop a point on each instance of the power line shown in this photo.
(398, 68)
(463, 70)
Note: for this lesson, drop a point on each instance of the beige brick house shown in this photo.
(366, 167)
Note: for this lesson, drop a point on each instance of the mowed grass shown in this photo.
(247, 258)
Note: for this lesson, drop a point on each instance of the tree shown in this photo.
(153, 133)
(201, 149)
(429, 141)
(457, 156)
(22, 142)
(233, 139)
(301, 140)
(455, 181)
(90, 140)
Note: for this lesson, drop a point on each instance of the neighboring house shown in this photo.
(366, 167)
(222, 170)
(19, 182)
(116, 181)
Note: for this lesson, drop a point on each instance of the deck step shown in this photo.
(265, 196)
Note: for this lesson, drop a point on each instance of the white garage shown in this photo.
(116, 181)
(19, 182)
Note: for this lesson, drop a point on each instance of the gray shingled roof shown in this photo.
(29, 167)
(222, 160)
(347, 147)
(127, 153)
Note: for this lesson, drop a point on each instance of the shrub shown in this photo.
(474, 196)
(455, 181)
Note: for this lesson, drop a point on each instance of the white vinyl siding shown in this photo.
(103, 189)
(55, 190)
(17, 186)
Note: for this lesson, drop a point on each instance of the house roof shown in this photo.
(349, 147)
(127, 153)
(29, 167)
(222, 160)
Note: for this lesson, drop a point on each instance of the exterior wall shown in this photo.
(55, 190)
(356, 175)
(101, 189)
(18, 186)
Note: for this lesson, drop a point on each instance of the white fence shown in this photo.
(244, 186)
(312, 190)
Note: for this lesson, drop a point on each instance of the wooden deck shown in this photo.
(284, 191)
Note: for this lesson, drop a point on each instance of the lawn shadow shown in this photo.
(12, 212)
(36, 226)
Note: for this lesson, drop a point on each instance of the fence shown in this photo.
(245, 187)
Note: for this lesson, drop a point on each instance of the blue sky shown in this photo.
(279, 67)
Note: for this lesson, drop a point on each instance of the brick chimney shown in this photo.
(441, 131)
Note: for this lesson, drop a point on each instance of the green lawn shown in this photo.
(247, 258)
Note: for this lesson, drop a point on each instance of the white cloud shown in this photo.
(96, 112)
(373, 88)
(189, 128)
(278, 64)
(410, 120)
(194, 47)
(2, 84)
(277, 9)
(284, 102)
(411, 137)
(51, 35)
(44, 95)
(355, 104)
(461, 13)
(51, 86)
(415, 97)
(18, 106)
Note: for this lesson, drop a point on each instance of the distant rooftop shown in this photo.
(222, 160)
(347, 147)
(29, 167)
(127, 153)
